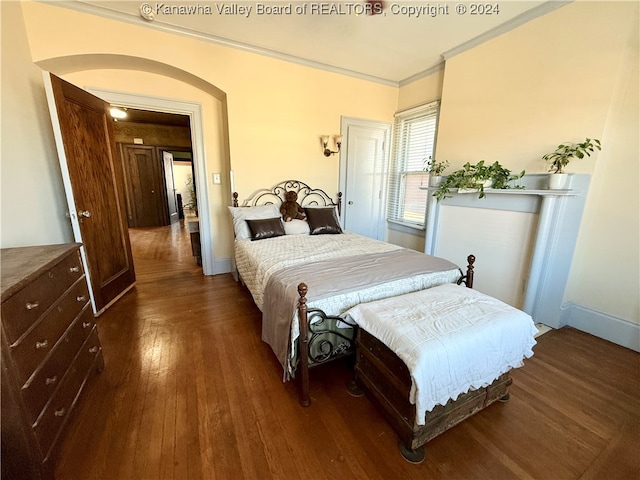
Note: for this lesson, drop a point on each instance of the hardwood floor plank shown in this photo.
(190, 391)
(205, 424)
(181, 438)
(620, 459)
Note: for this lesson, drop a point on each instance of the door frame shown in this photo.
(345, 123)
(194, 111)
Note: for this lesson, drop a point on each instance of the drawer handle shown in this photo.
(60, 413)
(94, 349)
(81, 298)
(86, 324)
(32, 305)
(74, 269)
(42, 344)
(51, 380)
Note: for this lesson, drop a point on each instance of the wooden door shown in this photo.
(145, 187)
(93, 180)
(170, 186)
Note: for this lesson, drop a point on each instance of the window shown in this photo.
(414, 133)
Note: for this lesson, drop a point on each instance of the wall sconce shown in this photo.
(325, 144)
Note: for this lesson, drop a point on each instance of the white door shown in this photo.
(169, 180)
(364, 168)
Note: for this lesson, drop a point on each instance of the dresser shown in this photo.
(50, 349)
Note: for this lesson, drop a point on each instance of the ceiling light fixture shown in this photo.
(117, 113)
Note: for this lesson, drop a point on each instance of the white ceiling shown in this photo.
(391, 48)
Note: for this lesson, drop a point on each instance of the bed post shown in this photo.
(235, 199)
(471, 259)
(339, 203)
(467, 278)
(303, 346)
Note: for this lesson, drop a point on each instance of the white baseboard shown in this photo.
(221, 265)
(614, 329)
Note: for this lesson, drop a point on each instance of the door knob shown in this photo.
(84, 213)
(349, 203)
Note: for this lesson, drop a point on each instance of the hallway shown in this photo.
(161, 250)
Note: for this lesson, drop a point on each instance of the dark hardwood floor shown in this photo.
(190, 391)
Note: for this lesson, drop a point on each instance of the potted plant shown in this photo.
(475, 178)
(561, 157)
(435, 170)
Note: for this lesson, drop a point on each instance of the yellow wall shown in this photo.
(518, 96)
(606, 267)
(424, 90)
(33, 201)
(276, 110)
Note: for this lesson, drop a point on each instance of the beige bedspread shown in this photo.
(256, 261)
(356, 279)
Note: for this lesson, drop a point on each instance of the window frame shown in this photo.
(405, 155)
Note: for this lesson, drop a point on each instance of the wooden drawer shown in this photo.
(55, 414)
(41, 386)
(41, 340)
(23, 309)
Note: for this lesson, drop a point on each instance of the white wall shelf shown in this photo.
(513, 191)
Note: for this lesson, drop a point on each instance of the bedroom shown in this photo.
(279, 120)
(269, 127)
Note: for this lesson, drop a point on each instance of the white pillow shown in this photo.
(296, 227)
(239, 216)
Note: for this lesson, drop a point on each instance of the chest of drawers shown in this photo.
(50, 348)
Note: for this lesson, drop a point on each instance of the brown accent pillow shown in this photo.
(323, 220)
(265, 228)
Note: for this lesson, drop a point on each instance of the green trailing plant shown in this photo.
(434, 167)
(474, 177)
(561, 157)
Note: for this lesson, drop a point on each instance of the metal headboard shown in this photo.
(307, 196)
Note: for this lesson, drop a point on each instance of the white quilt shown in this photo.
(451, 338)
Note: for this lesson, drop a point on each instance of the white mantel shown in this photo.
(559, 215)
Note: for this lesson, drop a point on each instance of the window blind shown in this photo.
(414, 133)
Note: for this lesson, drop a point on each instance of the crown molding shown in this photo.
(515, 22)
(105, 12)
(225, 42)
(422, 74)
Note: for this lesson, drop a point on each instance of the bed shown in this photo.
(303, 275)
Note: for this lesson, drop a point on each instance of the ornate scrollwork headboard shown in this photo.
(307, 196)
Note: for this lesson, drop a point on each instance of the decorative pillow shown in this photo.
(240, 215)
(323, 220)
(296, 227)
(265, 228)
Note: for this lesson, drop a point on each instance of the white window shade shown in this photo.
(413, 143)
